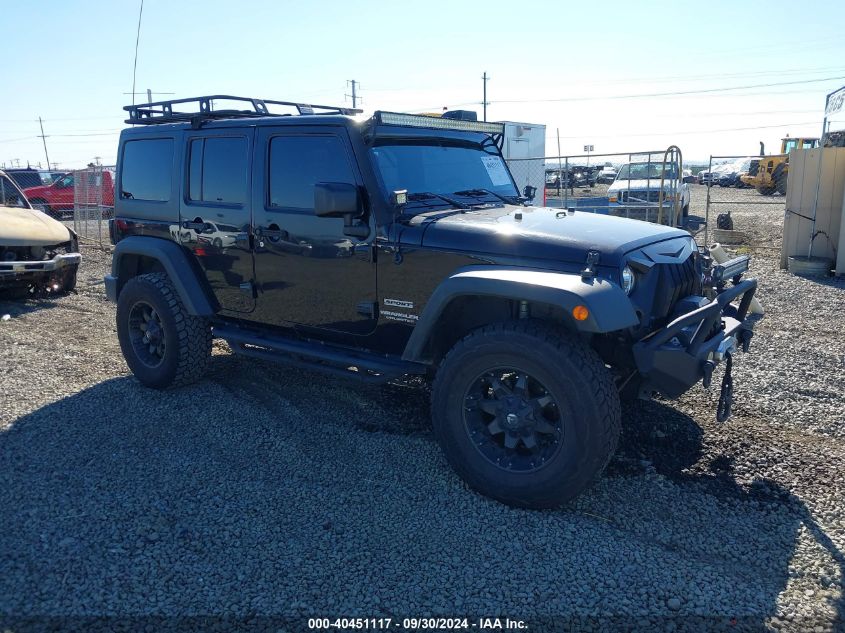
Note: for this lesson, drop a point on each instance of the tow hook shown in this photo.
(726, 396)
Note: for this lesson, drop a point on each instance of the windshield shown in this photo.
(646, 171)
(10, 195)
(443, 169)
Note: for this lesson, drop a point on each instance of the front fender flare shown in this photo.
(176, 264)
(608, 305)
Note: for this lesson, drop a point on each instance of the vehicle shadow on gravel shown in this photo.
(660, 440)
(17, 306)
(239, 495)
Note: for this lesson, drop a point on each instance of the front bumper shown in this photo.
(674, 358)
(14, 272)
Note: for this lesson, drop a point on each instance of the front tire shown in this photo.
(162, 343)
(525, 413)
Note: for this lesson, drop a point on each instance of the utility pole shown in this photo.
(354, 94)
(484, 102)
(149, 94)
(44, 139)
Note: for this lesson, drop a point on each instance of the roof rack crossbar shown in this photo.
(164, 112)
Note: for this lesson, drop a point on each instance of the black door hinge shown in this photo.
(368, 309)
(365, 252)
(592, 261)
(247, 288)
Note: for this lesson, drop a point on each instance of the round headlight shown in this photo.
(628, 280)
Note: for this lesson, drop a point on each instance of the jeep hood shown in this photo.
(29, 227)
(542, 233)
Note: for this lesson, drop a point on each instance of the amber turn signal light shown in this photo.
(580, 313)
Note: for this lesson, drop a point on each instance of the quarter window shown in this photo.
(297, 163)
(146, 168)
(218, 169)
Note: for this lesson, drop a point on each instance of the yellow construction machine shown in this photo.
(768, 174)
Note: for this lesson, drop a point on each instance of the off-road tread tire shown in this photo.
(193, 335)
(549, 345)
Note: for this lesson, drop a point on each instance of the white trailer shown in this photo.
(524, 149)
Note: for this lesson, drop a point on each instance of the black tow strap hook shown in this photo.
(745, 339)
(726, 395)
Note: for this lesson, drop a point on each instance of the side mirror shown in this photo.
(337, 200)
(341, 200)
(529, 192)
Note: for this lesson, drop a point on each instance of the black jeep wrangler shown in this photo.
(399, 245)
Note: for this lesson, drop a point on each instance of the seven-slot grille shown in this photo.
(676, 282)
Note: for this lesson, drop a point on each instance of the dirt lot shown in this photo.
(270, 492)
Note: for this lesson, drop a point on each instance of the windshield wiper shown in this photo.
(425, 195)
(474, 193)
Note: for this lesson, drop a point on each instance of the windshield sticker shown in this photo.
(495, 167)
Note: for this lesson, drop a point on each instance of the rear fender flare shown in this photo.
(175, 262)
(609, 307)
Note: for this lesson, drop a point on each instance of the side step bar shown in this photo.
(339, 361)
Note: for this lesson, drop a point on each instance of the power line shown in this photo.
(653, 79)
(673, 93)
(832, 39)
(688, 132)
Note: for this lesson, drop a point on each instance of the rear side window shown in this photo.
(297, 163)
(218, 170)
(9, 194)
(145, 171)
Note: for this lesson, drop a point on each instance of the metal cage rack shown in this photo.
(160, 112)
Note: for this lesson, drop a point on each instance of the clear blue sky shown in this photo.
(71, 61)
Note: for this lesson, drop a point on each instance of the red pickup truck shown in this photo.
(95, 188)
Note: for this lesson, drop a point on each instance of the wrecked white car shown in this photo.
(37, 253)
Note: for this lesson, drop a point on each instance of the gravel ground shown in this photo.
(270, 492)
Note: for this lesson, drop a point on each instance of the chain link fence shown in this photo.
(93, 202)
(647, 185)
(764, 181)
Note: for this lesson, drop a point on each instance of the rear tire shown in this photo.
(766, 191)
(162, 343)
(567, 402)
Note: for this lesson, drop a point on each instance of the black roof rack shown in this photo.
(163, 111)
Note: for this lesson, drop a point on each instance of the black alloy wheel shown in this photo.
(146, 332)
(513, 420)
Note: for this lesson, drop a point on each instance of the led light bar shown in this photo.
(731, 268)
(438, 123)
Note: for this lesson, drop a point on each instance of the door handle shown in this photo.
(270, 233)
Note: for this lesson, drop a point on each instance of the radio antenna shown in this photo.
(137, 38)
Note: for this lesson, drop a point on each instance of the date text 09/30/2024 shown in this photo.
(417, 624)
